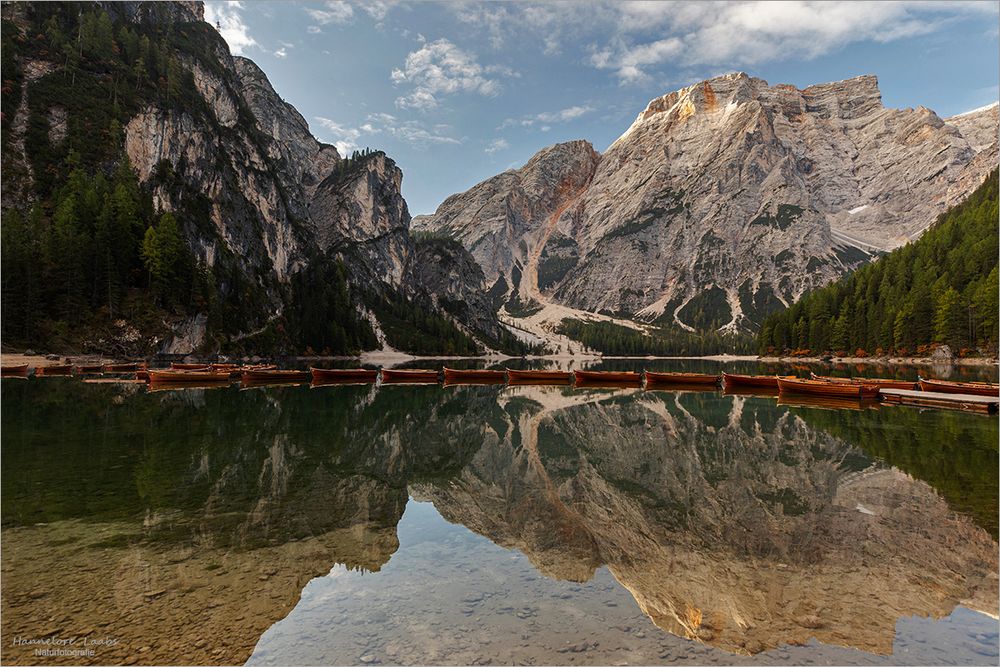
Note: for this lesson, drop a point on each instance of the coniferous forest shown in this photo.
(938, 290)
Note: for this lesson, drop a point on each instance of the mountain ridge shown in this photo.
(726, 200)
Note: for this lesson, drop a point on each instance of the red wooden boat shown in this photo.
(539, 377)
(881, 383)
(409, 375)
(142, 374)
(274, 375)
(56, 369)
(608, 377)
(822, 388)
(90, 369)
(120, 368)
(176, 375)
(190, 367)
(968, 388)
(730, 380)
(452, 376)
(343, 374)
(682, 378)
(20, 369)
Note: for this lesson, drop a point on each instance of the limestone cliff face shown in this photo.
(259, 198)
(725, 199)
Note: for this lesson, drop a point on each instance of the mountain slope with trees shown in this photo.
(940, 289)
(158, 195)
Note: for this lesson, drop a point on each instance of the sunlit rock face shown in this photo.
(726, 198)
(733, 528)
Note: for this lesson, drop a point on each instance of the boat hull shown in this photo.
(120, 368)
(343, 374)
(828, 389)
(682, 378)
(967, 388)
(608, 377)
(413, 375)
(14, 371)
(539, 377)
(881, 383)
(65, 369)
(734, 380)
(453, 376)
(263, 376)
(190, 367)
(172, 376)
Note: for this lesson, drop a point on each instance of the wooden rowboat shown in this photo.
(21, 369)
(682, 378)
(409, 375)
(453, 376)
(90, 369)
(882, 383)
(969, 388)
(176, 376)
(608, 377)
(274, 375)
(343, 374)
(142, 374)
(539, 377)
(821, 388)
(120, 368)
(730, 380)
(190, 367)
(56, 369)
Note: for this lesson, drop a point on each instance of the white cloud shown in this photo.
(497, 145)
(332, 11)
(440, 68)
(281, 53)
(634, 39)
(377, 9)
(546, 117)
(229, 20)
(343, 137)
(314, 30)
(412, 132)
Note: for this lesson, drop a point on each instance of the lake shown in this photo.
(364, 524)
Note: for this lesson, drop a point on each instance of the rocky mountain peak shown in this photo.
(723, 200)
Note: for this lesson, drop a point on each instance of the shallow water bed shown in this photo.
(485, 524)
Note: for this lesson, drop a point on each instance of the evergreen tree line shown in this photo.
(84, 248)
(940, 289)
(613, 339)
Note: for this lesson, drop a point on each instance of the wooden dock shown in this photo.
(933, 399)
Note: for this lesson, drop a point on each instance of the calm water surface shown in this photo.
(481, 524)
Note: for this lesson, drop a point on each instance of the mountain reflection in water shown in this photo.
(187, 523)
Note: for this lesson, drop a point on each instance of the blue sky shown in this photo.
(456, 92)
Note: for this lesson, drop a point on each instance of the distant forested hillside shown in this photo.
(940, 289)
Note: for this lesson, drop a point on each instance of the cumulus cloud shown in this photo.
(440, 68)
(281, 53)
(332, 11)
(412, 132)
(229, 19)
(343, 137)
(634, 39)
(497, 145)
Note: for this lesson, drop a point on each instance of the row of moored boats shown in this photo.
(179, 373)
